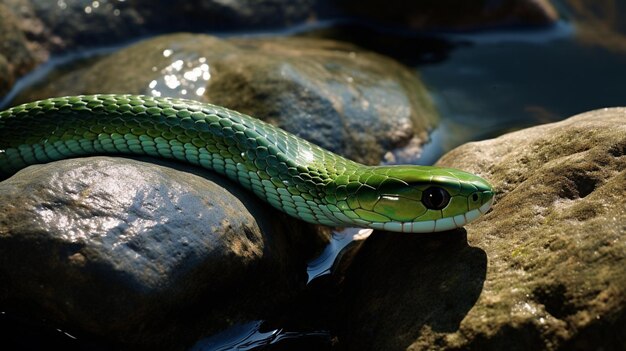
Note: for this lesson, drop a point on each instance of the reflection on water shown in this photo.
(340, 239)
(250, 336)
(488, 88)
(253, 336)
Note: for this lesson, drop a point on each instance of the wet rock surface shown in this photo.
(350, 101)
(143, 254)
(543, 270)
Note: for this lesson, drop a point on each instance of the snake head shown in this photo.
(420, 199)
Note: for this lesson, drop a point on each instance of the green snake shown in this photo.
(292, 174)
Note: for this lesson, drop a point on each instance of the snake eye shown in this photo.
(435, 198)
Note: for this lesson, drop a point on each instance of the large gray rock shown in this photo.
(543, 270)
(353, 102)
(142, 254)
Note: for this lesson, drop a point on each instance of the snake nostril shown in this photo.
(474, 197)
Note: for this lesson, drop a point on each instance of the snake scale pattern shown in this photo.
(292, 174)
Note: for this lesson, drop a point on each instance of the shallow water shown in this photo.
(483, 84)
(322, 265)
(252, 336)
(489, 88)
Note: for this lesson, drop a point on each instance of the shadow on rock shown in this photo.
(401, 286)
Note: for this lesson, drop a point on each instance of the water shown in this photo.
(18, 332)
(322, 265)
(251, 336)
(489, 88)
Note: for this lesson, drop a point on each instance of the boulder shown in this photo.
(144, 255)
(350, 101)
(543, 270)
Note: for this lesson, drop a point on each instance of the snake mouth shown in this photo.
(437, 225)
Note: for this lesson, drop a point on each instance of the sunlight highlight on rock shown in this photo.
(181, 78)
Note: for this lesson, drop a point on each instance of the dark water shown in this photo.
(492, 87)
(253, 336)
(483, 84)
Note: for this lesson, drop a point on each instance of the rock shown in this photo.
(453, 15)
(15, 56)
(543, 270)
(353, 102)
(39, 28)
(142, 254)
(600, 24)
(68, 24)
(32, 30)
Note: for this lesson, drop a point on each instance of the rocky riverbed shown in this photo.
(122, 253)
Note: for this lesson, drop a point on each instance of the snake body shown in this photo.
(292, 174)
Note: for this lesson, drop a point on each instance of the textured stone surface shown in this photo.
(353, 102)
(144, 254)
(543, 270)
